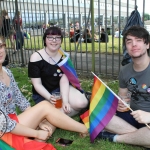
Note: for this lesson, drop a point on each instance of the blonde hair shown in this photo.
(4, 12)
(2, 39)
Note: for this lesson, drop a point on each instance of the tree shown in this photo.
(146, 17)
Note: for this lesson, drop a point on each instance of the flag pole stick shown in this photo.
(117, 96)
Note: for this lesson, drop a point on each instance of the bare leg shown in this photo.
(77, 100)
(119, 126)
(12, 42)
(47, 123)
(44, 110)
(71, 95)
(139, 137)
(127, 133)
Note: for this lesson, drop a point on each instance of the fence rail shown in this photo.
(105, 58)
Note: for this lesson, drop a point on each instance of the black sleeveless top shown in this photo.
(50, 74)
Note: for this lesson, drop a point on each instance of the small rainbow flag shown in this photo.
(103, 105)
(67, 67)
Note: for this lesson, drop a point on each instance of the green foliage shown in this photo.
(24, 84)
(146, 17)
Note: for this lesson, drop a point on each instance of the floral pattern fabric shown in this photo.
(10, 97)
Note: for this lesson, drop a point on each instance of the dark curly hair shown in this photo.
(52, 31)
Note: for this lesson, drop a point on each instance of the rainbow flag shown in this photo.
(103, 105)
(67, 67)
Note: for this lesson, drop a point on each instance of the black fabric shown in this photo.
(5, 27)
(134, 19)
(50, 74)
(75, 37)
(104, 37)
(6, 61)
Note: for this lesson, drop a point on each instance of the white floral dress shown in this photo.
(10, 97)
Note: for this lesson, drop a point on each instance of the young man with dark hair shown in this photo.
(126, 126)
(104, 36)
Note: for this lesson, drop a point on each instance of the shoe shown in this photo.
(106, 136)
(88, 95)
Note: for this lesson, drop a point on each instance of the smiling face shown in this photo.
(53, 38)
(136, 47)
(2, 50)
(53, 42)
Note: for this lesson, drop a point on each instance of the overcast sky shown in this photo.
(140, 6)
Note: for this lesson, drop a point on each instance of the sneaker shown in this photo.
(88, 95)
(106, 135)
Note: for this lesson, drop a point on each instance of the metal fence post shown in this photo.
(92, 24)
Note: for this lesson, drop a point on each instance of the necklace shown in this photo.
(50, 57)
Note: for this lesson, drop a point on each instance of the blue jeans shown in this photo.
(38, 98)
(19, 40)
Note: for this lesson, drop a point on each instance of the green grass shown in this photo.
(36, 43)
(24, 84)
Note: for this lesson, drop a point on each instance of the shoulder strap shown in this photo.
(40, 55)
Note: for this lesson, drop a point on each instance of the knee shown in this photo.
(83, 102)
(45, 105)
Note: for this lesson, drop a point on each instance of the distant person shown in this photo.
(87, 36)
(44, 27)
(76, 35)
(17, 23)
(7, 30)
(71, 30)
(104, 36)
(117, 34)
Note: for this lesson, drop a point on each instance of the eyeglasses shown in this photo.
(57, 38)
(2, 45)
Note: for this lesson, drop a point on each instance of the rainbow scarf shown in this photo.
(103, 105)
(20, 142)
(67, 67)
(4, 146)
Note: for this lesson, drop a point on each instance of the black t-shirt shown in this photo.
(50, 74)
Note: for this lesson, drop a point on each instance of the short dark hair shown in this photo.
(138, 32)
(52, 31)
(102, 29)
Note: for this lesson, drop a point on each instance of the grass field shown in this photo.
(24, 84)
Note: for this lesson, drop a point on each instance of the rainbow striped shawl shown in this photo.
(67, 67)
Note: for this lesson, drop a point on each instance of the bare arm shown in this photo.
(64, 88)
(141, 116)
(40, 88)
(28, 132)
(37, 83)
